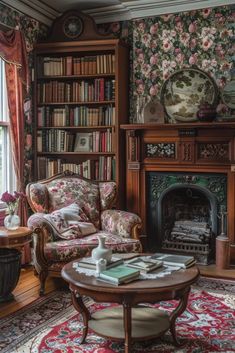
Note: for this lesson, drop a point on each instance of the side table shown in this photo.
(11, 244)
(15, 238)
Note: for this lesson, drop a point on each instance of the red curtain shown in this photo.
(13, 52)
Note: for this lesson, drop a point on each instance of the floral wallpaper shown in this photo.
(161, 45)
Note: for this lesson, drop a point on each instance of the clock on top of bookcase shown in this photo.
(74, 25)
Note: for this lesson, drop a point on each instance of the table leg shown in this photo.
(176, 313)
(81, 308)
(127, 326)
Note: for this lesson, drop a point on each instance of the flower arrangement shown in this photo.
(12, 200)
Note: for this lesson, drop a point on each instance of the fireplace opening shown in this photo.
(183, 213)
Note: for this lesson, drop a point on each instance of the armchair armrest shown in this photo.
(42, 234)
(125, 224)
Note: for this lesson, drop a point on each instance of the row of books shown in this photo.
(119, 272)
(98, 169)
(68, 65)
(56, 140)
(79, 116)
(99, 90)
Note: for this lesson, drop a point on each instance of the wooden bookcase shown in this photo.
(81, 98)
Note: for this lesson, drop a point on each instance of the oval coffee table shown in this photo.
(131, 321)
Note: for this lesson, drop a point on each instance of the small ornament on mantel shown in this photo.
(222, 243)
(206, 112)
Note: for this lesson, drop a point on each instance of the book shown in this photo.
(131, 279)
(175, 260)
(89, 262)
(144, 264)
(120, 274)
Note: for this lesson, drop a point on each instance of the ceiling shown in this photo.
(103, 11)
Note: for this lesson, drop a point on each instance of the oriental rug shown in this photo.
(51, 325)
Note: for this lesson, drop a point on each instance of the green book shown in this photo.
(119, 274)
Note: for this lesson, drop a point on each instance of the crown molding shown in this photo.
(127, 10)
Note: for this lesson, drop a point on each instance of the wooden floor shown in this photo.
(27, 289)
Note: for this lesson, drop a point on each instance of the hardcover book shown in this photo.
(120, 274)
(89, 262)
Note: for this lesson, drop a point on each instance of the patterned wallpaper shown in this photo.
(159, 45)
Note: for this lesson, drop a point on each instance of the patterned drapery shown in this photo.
(13, 52)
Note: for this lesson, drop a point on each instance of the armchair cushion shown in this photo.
(70, 222)
(62, 192)
(60, 251)
(119, 222)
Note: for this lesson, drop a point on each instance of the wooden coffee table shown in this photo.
(131, 321)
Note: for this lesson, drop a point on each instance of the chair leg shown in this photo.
(42, 277)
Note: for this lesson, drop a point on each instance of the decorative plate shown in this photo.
(184, 91)
(153, 112)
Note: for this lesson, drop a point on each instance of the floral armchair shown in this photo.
(69, 213)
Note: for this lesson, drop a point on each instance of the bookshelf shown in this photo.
(81, 98)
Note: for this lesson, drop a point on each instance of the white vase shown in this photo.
(12, 221)
(101, 252)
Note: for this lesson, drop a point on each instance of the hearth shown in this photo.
(182, 212)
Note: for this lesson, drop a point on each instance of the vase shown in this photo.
(101, 252)
(12, 221)
(206, 112)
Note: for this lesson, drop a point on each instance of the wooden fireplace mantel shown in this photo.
(194, 147)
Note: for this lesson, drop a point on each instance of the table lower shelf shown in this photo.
(146, 322)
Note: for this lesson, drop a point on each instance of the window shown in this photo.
(7, 173)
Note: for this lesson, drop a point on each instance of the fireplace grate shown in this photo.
(201, 252)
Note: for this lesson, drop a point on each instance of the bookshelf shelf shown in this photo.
(72, 77)
(81, 99)
(87, 127)
(78, 103)
(76, 153)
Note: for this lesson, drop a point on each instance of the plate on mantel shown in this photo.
(184, 91)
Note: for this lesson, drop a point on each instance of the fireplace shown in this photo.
(179, 179)
(182, 212)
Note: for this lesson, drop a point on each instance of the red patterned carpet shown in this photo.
(52, 326)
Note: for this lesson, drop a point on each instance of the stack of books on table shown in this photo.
(89, 262)
(120, 274)
(144, 264)
(175, 260)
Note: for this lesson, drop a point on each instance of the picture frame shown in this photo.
(83, 142)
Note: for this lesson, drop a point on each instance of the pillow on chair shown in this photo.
(70, 222)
